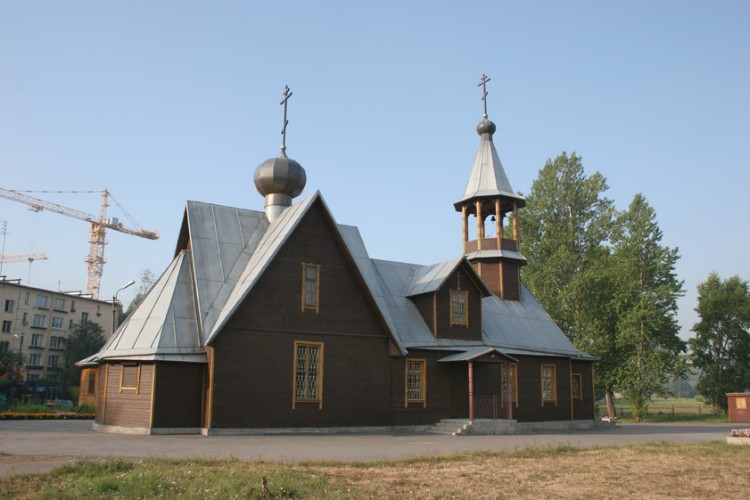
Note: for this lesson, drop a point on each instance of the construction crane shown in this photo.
(21, 257)
(97, 230)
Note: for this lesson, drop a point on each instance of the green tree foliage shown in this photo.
(721, 347)
(565, 226)
(85, 339)
(147, 281)
(646, 292)
(604, 278)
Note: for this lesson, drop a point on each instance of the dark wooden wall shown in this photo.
(178, 395)
(584, 410)
(530, 407)
(254, 354)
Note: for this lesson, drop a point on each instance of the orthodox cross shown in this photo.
(284, 101)
(483, 83)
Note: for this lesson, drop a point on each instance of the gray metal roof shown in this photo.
(230, 249)
(488, 178)
(164, 325)
(474, 353)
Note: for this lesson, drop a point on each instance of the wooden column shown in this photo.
(471, 391)
(465, 222)
(498, 224)
(480, 224)
(515, 221)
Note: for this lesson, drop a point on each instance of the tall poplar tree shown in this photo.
(565, 228)
(721, 347)
(647, 289)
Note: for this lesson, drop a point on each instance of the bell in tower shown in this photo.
(490, 199)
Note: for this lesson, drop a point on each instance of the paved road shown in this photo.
(38, 446)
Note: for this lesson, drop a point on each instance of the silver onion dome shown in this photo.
(279, 180)
(486, 127)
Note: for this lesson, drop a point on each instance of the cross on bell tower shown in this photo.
(488, 194)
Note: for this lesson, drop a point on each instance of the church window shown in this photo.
(92, 383)
(460, 307)
(130, 377)
(308, 373)
(511, 383)
(577, 387)
(310, 287)
(416, 382)
(549, 384)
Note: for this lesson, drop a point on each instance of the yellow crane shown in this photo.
(21, 257)
(97, 230)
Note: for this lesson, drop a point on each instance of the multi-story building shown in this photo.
(37, 322)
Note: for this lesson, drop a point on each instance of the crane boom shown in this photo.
(21, 257)
(97, 230)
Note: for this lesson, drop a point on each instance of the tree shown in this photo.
(646, 291)
(85, 339)
(565, 228)
(721, 347)
(147, 281)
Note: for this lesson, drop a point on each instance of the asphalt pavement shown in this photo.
(39, 445)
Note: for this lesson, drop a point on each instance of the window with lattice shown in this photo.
(460, 307)
(510, 381)
(416, 382)
(308, 373)
(549, 384)
(310, 287)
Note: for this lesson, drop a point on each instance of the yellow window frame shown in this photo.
(422, 370)
(577, 382)
(130, 388)
(553, 381)
(306, 305)
(318, 399)
(464, 302)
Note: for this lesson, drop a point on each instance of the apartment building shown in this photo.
(37, 322)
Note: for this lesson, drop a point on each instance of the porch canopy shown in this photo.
(483, 354)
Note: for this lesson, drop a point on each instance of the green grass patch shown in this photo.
(656, 469)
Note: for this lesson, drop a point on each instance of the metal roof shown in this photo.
(230, 249)
(473, 354)
(164, 325)
(488, 178)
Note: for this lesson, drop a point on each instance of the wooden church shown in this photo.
(280, 320)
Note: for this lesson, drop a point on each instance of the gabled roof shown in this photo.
(230, 248)
(428, 279)
(236, 289)
(164, 325)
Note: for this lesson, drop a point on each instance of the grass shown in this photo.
(654, 470)
(669, 410)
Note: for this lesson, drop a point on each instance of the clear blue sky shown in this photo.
(165, 101)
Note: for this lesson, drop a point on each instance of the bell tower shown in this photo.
(489, 196)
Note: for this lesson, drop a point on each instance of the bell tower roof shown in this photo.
(488, 178)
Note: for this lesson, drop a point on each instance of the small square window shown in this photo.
(39, 320)
(9, 305)
(37, 340)
(130, 377)
(59, 304)
(57, 322)
(41, 301)
(7, 326)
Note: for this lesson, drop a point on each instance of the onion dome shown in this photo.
(279, 180)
